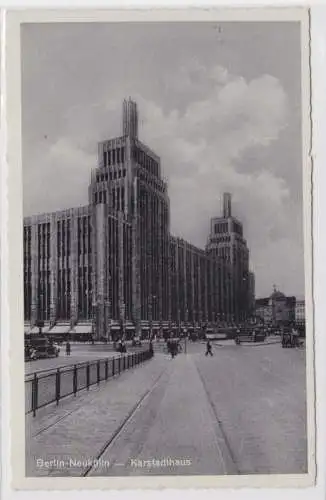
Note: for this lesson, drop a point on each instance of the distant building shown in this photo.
(276, 309)
(264, 310)
(300, 312)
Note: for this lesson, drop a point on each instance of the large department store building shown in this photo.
(113, 266)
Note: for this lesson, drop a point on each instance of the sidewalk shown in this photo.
(162, 411)
(273, 339)
(80, 426)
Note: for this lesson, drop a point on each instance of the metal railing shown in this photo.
(49, 386)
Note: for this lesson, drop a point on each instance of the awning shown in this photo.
(34, 330)
(86, 328)
(60, 329)
(145, 327)
(46, 328)
(130, 327)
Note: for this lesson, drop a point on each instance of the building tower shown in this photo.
(130, 119)
(227, 209)
(226, 242)
(129, 184)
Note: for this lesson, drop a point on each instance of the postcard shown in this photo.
(160, 248)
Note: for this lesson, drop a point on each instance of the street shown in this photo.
(241, 411)
(79, 354)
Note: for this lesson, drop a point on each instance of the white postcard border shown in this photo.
(15, 297)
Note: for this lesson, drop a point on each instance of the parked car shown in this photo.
(39, 347)
(56, 348)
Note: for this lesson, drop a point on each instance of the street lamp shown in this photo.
(108, 319)
(41, 295)
(95, 305)
(194, 320)
(39, 321)
(150, 314)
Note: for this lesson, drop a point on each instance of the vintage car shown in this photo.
(39, 346)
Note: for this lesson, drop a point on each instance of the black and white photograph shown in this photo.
(165, 249)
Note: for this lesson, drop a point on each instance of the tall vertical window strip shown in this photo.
(68, 238)
(27, 273)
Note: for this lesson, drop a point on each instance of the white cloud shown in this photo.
(224, 117)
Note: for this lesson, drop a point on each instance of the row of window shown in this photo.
(44, 244)
(84, 231)
(117, 198)
(111, 175)
(145, 161)
(153, 182)
(237, 228)
(114, 156)
(221, 227)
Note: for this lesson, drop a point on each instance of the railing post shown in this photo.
(119, 365)
(98, 371)
(75, 380)
(124, 363)
(113, 362)
(106, 369)
(87, 376)
(34, 394)
(57, 385)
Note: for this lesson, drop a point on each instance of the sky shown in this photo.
(219, 103)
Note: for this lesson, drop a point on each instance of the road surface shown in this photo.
(79, 354)
(241, 411)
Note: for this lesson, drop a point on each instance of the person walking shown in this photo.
(295, 337)
(208, 348)
(68, 348)
(151, 349)
(174, 349)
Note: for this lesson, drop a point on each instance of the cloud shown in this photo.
(201, 145)
(63, 180)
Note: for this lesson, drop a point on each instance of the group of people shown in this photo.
(174, 347)
(291, 338)
(30, 352)
(122, 348)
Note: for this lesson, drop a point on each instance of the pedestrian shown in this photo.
(174, 348)
(208, 348)
(68, 348)
(295, 337)
(151, 350)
